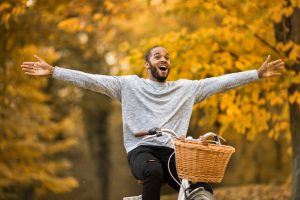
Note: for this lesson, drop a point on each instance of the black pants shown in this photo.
(150, 164)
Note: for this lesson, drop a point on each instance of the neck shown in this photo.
(152, 78)
(158, 81)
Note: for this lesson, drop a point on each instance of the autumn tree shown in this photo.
(287, 32)
(220, 37)
(205, 38)
(72, 33)
(33, 138)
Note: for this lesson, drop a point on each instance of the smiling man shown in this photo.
(154, 102)
(158, 64)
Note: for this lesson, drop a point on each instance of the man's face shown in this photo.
(159, 64)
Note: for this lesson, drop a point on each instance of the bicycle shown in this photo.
(192, 163)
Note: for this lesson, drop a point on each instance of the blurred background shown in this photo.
(62, 142)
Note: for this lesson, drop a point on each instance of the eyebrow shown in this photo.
(159, 54)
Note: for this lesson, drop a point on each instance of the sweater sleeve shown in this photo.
(206, 87)
(107, 85)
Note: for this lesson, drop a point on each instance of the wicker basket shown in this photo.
(199, 163)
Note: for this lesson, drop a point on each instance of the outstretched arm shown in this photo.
(39, 68)
(209, 86)
(108, 85)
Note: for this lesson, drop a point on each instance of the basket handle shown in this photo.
(214, 135)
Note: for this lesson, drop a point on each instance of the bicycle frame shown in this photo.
(184, 184)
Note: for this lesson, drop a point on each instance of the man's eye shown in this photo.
(157, 57)
(167, 58)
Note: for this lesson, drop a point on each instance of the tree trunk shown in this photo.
(295, 112)
(292, 24)
(3, 79)
(295, 131)
(2, 94)
(96, 108)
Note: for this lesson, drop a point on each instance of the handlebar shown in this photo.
(141, 134)
(156, 132)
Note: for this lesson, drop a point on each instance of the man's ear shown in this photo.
(146, 65)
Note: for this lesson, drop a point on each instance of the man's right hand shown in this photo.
(39, 68)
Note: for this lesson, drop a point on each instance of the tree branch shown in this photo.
(266, 43)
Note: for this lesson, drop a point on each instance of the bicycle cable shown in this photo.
(170, 170)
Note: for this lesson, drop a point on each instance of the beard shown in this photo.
(156, 75)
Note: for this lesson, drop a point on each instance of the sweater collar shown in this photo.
(155, 83)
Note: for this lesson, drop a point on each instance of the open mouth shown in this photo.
(163, 68)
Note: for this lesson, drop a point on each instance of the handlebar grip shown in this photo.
(141, 134)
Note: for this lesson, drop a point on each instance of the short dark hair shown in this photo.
(149, 52)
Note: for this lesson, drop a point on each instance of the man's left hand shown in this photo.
(269, 69)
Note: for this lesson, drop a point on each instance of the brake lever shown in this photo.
(149, 137)
(157, 134)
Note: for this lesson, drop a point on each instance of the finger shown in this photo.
(28, 63)
(279, 65)
(28, 70)
(276, 74)
(267, 60)
(281, 68)
(26, 67)
(30, 73)
(275, 62)
(38, 58)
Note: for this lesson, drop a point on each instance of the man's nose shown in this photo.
(163, 59)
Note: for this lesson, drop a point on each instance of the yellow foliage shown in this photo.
(295, 3)
(231, 38)
(295, 98)
(5, 6)
(11, 9)
(294, 53)
(70, 25)
(205, 39)
(29, 135)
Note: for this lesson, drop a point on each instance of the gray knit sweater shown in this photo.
(147, 104)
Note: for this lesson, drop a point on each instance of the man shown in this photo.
(154, 102)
